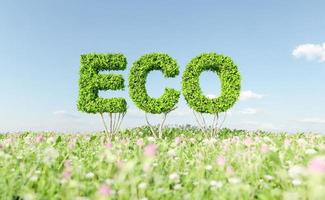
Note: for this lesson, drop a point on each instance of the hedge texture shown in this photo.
(230, 83)
(137, 83)
(91, 81)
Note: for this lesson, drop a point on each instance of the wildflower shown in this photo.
(171, 153)
(140, 142)
(174, 177)
(146, 167)
(50, 155)
(119, 164)
(296, 182)
(104, 190)
(287, 142)
(160, 190)
(229, 170)
(178, 140)
(142, 185)
(221, 161)
(208, 167)
(67, 163)
(109, 145)
(216, 184)
(109, 181)
(234, 180)
(177, 186)
(317, 165)
(151, 139)
(296, 171)
(33, 178)
(39, 138)
(90, 175)
(66, 174)
(310, 151)
(248, 141)
(150, 150)
(265, 148)
(268, 177)
(50, 139)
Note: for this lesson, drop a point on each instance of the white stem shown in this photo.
(150, 126)
(162, 125)
(102, 117)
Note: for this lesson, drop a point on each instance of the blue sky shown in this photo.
(277, 45)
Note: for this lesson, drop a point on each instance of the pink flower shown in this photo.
(147, 167)
(248, 141)
(67, 164)
(317, 165)
(178, 140)
(287, 142)
(125, 141)
(229, 170)
(105, 190)
(150, 150)
(140, 143)
(120, 164)
(265, 148)
(39, 138)
(221, 161)
(66, 174)
(109, 145)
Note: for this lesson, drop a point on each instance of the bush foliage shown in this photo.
(230, 83)
(137, 83)
(91, 81)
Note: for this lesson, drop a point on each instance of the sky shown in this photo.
(278, 46)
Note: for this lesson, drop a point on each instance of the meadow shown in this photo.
(185, 164)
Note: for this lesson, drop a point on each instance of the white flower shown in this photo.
(109, 181)
(90, 175)
(296, 171)
(268, 177)
(216, 184)
(144, 198)
(301, 141)
(160, 190)
(193, 140)
(296, 182)
(310, 151)
(151, 139)
(172, 153)
(177, 186)
(33, 178)
(142, 185)
(50, 140)
(208, 167)
(234, 180)
(174, 177)
(50, 155)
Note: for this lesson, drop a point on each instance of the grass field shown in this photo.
(186, 164)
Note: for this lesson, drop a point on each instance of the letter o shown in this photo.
(230, 83)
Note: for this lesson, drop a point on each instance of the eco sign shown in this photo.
(92, 81)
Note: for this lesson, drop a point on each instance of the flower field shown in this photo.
(185, 164)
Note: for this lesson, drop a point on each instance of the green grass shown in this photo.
(232, 165)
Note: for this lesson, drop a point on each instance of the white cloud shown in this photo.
(310, 52)
(248, 94)
(211, 96)
(64, 113)
(249, 111)
(313, 120)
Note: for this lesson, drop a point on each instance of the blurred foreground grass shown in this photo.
(185, 164)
